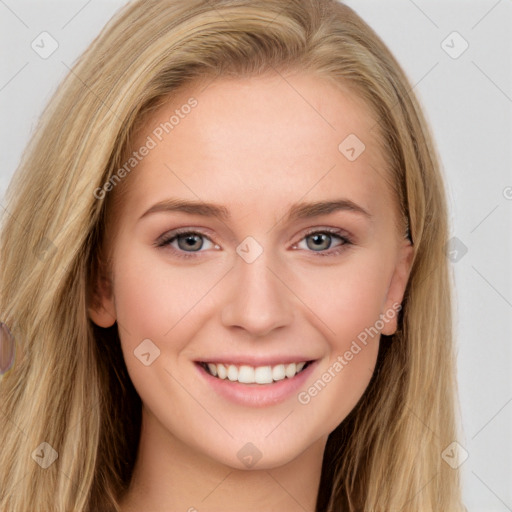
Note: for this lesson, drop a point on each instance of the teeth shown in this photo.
(255, 375)
(232, 372)
(290, 370)
(221, 371)
(246, 374)
(278, 372)
(263, 375)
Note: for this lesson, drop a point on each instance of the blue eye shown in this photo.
(187, 244)
(320, 242)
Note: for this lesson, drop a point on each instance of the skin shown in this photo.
(255, 146)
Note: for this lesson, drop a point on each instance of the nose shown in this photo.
(259, 300)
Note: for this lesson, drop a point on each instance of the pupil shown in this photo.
(318, 241)
(191, 242)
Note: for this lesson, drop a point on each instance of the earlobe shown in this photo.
(102, 308)
(101, 317)
(397, 287)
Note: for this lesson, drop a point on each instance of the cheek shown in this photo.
(153, 299)
(347, 298)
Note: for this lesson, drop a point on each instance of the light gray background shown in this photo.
(468, 101)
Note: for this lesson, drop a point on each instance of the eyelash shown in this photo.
(166, 240)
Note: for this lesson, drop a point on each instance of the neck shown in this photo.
(169, 475)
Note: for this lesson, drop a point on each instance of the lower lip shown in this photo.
(257, 395)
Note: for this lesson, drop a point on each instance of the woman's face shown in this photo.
(258, 239)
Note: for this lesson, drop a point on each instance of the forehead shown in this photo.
(260, 142)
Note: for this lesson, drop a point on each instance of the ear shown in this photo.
(102, 309)
(397, 285)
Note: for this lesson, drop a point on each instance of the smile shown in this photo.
(246, 374)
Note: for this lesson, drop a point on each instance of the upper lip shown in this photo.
(255, 361)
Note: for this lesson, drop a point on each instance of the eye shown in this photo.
(321, 241)
(186, 243)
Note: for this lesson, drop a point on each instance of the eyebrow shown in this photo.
(297, 211)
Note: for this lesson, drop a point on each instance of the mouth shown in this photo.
(256, 382)
(260, 375)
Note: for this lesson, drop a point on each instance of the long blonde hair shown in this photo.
(69, 386)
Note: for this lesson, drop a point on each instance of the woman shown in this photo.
(224, 270)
